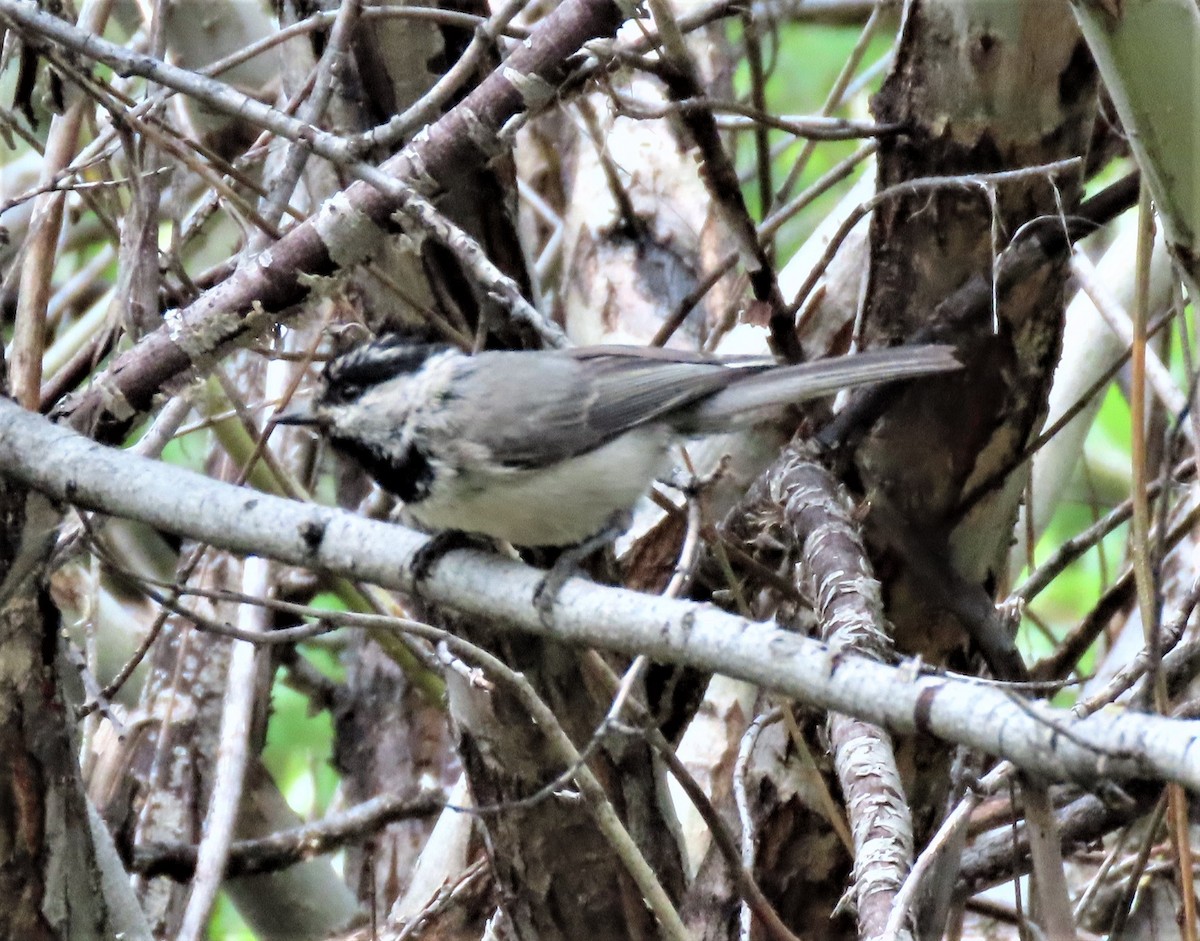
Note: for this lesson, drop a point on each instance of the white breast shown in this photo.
(556, 506)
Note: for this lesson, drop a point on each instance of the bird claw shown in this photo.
(437, 546)
(568, 565)
(565, 567)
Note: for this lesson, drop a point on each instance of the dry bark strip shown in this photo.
(847, 599)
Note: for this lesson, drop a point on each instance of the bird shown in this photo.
(553, 448)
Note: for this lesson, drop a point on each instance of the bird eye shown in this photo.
(343, 392)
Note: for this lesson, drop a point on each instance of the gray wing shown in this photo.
(559, 404)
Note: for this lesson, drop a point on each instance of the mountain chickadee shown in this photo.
(553, 448)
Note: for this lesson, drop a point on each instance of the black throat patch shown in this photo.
(409, 478)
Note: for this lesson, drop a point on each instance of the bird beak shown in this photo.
(300, 415)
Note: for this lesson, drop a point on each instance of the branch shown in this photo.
(287, 847)
(1037, 738)
(847, 599)
(1001, 855)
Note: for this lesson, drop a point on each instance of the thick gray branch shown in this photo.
(1043, 740)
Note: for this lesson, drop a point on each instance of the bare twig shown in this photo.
(29, 328)
(722, 181)
(981, 181)
(834, 99)
(232, 756)
(288, 847)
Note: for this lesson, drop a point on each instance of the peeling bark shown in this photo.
(49, 876)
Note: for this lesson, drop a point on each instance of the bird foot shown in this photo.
(568, 565)
(437, 546)
(565, 567)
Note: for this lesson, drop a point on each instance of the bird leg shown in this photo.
(569, 561)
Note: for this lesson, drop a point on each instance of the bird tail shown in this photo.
(784, 385)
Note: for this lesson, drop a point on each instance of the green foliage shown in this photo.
(190, 450)
(226, 924)
(300, 743)
(298, 750)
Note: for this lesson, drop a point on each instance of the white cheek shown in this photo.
(555, 506)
